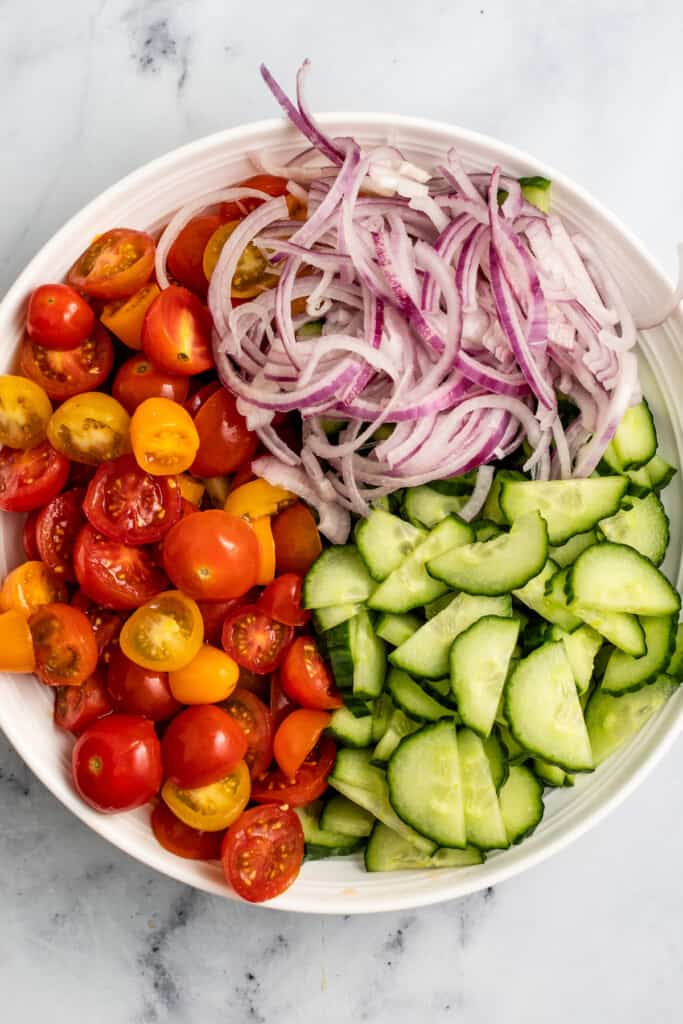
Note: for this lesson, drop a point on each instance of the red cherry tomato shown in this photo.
(305, 678)
(282, 600)
(263, 852)
(214, 614)
(139, 691)
(200, 396)
(256, 641)
(115, 265)
(57, 526)
(31, 478)
(106, 624)
(64, 644)
(244, 475)
(116, 763)
(127, 504)
(29, 539)
(65, 374)
(308, 784)
(115, 575)
(296, 737)
(184, 260)
(224, 440)
(76, 707)
(253, 718)
(178, 838)
(176, 333)
(212, 556)
(297, 541)
(202, 745)
(58, 317)
(274, 186)
(138, 379)
(280, 704)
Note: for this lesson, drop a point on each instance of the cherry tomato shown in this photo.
(28, 536)
(30, 479)
(256, 641)
(282, 600)
(139, 379)
(262, 852)
(64, 643)
(258, 685)
(57, 526)
(178, 838)
(202, 745)
(198, 398)
(309, 783)
(30, 586)
(224, 440)
(244, 475)
(163, 436)
(184, 260)
(266, 546)
(176, 333)
(16, 643)
(297, 541)
(90, 428)
(280, 704)
(76, 707)
(252, 273)
(253, 718)
(115, 265)
(25, 412)
(211, 676)
(234, 209)
(58, 317)
(116, 763)
(210, 808)
(305, 678)
(256, 499)
(115, 575)
(191, 489)
(212, 556)
(125, 317)
(165, 634)
(296, 737)
(80, 475)
(139, 691)
(65, 374)
(127, 504)
(214, 614)
(106, 624)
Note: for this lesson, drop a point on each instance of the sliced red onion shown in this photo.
(335, 522)
(646, 323)
(477, 499)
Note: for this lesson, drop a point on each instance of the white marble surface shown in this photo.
(90, 89)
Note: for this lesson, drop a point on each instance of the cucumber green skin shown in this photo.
(618, 530)
(519, 773)
(327, 844)
(409, 696)
(340, 815)
(325, 619)
(675, 667)
(400, 725)
(387, 851)
(498, 761)
(492, 509)
(338, 650)
(312, 851)
(434, 689)
(644, 425)
(650, 671)
(354, 733)
(486, 529)
(550, 774)
(629, 556)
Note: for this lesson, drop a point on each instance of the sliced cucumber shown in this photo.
(516, 753)
(321, 842)
(498, 761)
(426, 507)
(369, 659)
(396, 628)
(387, 851)
(328, 618)
(384, 541)
(382, 710)
(480, 660)
(339, 649)
(624, 673)
(486, 529)
(412, 699)
(635, 441)
(521, 803)
(550, 774)
(581, 648)
(340, 815)
(434, 607)
(349, 730)
(440, 690)
(613, 721)
(492, 510)
(572, 548)
(568, 506)
(536, 190)
(616, 578)
(400, 725)
(619, 628)
(642, 524)
(483, 821)
(533, 595)
(653, 476)
(675, 668)
(338, 576)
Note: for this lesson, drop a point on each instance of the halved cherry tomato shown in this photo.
(90, 428)
(165, 634)
(280, 704)
(212, 556)
(262, 852)
(16, 643)
(266, 547)
(211, 676)
(116, 763)
(253, 718)
(252, 273)
(224, 439)
(80, 475)
(65, 374)
(305, 678)
(184, 260)
(163, 437)
(115, 265)
(115, 575)
(244, 475)
(30, 586)
(127, 504)
(139, 691)
(125, 317)
(106, 624)
(282, 600)
(64, 644)
(202, 745)
(191, 489)
(269, 183)
(296, 738)
(139, 379)
(76, 707)
(256, 499)
(258, 685)
(29, 479)
(214, 614)
(176, 333)
(178, 838)
(58, 317)
(28, 536)
(256, 641)
(25, 412)
(308, 784)
(297, 541)
(198, 398)
(57, 526)
(210, 808)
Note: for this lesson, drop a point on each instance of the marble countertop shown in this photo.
(90, 89)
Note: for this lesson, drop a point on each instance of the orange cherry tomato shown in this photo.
(212, 556)
(25, 412)
(252, 273)
(305, 677)
(64, 374)
(297, 736)
(297, 541)
(115, 265)
(139, 379)
(64, 644)
(16, 643)
(163, 437)
(178, 838)
(165, 634)
(184, 260)
(211, 676)
(224, 439)
(191, 489)
(90, 428)
(210, 808)
(266, 560)
(257, 498)
(125, 317)
(30, 586)
(176, 333)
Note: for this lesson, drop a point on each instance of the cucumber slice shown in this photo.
(410, 585)
(349, 730)
(319, 841)
(536, 190)
(396, 628)
(613, 721)
(521, 803)
(387, 851)
(382, 710)
(635, 441)
(496, 566)
(543, 710)
(533, 596)
(412, 699)
(340, 815)
(425, 785)
(675, 668)
(384, 541)
(369, 659)
(568, 506)
(616, 578)
(581, 648)
(338, 646)
(572, 548)
(619, 628)
(480, 660)
(338, 576)
(440, 690)
(426, 507)
(498, 761)
(624, 673)
(492, 510)
(550, 774)
(653, 476)
(486, 529)
(427, 652)
(328, 618)
(642, 524)
(483, 821)
(434, 607)
(516, 753)
(400, 725)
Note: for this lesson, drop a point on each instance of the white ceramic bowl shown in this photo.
(145, 199)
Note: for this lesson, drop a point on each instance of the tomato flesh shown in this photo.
(113, 574)
(296, 737)
(178, 838)
(116, 763)
(202, 745)
(255, 640)
(282, 600)
(253, 718)
(263, 852)
(57, 525)
(106, 624)
(64, 644)
(31, 478)
(211, 808)
(308, 784)
(65, 374)
(127, 504)
(165, 634)
(58, 317)
(114, 266)
(76, 707)
(176, 333)
(28, 536)
(305, 677)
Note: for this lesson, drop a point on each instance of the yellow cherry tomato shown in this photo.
(90, 428)
(16, 643)
(258, 498)
(211, 676)
(29, 586)
(210, 808)
(163, 436)
(124, 318)
(165, 634)
(266, 547)
(251, 275)
(191, 488)
(25, 412)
